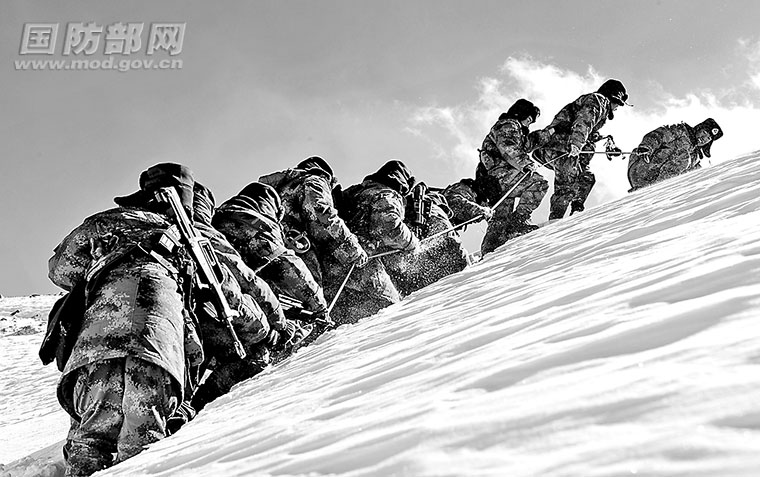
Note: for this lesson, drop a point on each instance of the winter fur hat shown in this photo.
(315, 161)
(166, 174)
(521, 110)
(203, 204)
(265, 196)
(615, 91)
(715, 131)
(395, 175)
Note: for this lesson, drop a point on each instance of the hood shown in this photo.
(394, 174)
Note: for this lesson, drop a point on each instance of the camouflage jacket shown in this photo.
(506, 144)
(674, 145)
(375, 213)
(462, 200)
(308, 207)
(579, 122)
(134, 305)
(253, 230)
(250, 283)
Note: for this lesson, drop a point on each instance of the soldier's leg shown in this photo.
(565, 186)
(97, 398)
(675, 166)
(150, 397)
(497, 232)
(586, 182)
(531, 192)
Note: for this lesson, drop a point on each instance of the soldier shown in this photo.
(251, 223)
(283, 335)
(576, 129)
(309, 212)
(671, 150)
(127, 370)
(466, 202)
(427, 215)
(504, 164)
(374, 211)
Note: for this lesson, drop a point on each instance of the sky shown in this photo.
(265, 84)
(628, 347)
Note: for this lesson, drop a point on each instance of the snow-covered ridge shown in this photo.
(620, 341)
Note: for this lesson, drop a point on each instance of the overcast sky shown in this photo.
(264, 84)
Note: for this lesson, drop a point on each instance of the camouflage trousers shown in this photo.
(121, 406)
(530, 190)
(573, 182)
(646, 171)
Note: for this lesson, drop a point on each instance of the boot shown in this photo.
(576, 206)
(519, 225)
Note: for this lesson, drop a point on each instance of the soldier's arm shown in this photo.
(325, 224)
(290, 275)
(72, 257)
(653, 140)
(250, 283)
(250, 325)
(588, 116)
(464, 206)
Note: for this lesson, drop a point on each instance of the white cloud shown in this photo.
(457, 131)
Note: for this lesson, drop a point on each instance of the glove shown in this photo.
(487, 213)
(642, 151)
(613, 152)
(323, 317)
(574, 151)
(528, 168)
(361, 260)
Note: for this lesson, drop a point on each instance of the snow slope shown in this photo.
(621, 341)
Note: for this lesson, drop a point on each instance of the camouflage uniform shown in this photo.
(374, 211)
(101, 392)
(465, 202)
(437, 258)
(671, 151)
(251, 223)
(307, 203)
(578, 125)
(228, 369)
(136, 324)
(504, 161)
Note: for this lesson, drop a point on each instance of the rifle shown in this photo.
(294, 310)
(208, 270)
(421, 206)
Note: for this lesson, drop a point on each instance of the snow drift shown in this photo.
(621, 341)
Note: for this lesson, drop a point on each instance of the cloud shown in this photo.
(456, 131)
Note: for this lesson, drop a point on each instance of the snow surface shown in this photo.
(621, 341)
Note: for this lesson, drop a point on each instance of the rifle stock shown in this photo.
(208, 269)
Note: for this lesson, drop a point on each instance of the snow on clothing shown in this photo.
(250, 222)
(503, 158)
(308, 207)
(250, 283)
(436, 258)
(374, 211)
(463, 202)
(673, 150)
(122, 406)
(577, 124)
